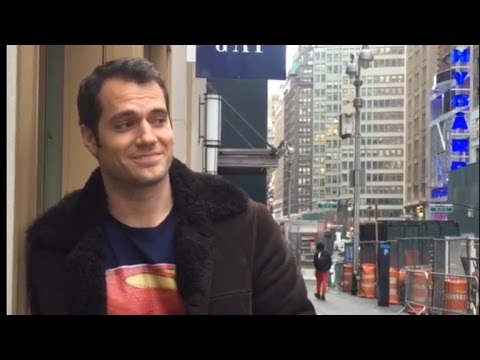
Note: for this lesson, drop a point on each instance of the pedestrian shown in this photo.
(146, 235)
(322, 261)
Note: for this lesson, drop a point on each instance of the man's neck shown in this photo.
(140, 207)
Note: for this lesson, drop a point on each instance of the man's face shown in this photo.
(135, 134)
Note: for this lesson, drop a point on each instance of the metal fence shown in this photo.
(453, 294)
(411, 252)
(445, 257)
(367, 253)
(433, 293)
(456, 255)
(417, 291)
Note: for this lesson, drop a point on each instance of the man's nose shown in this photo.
(147, 135)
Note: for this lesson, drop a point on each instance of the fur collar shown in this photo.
(199, 199)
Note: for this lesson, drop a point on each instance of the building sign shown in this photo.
(331, 205)
(441, 208)
(451, 94)
(461, 103)
(252, 62)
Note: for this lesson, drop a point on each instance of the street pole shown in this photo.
(289, 203)
(289, 206)
(357, 103)
(364, 58)
(376, 244)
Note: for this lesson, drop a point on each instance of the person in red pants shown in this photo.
(322, 261)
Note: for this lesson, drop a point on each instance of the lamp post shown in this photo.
(289, 151)
(364, 57)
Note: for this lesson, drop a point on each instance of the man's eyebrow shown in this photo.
(158, 110)
(125, 113)
(122, 114)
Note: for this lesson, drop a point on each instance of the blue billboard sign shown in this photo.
(249, 62)
(460, 60)
(460, 55)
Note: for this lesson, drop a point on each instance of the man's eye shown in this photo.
(159, 119)
(124, 125)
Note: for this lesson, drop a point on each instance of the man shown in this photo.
(146, 235)
(322, 260)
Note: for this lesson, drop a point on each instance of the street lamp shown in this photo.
(288, 153)
(364, 58)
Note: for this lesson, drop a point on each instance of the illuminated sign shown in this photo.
(439, 192)
(460, 122)
(460, 55)
(460, 130)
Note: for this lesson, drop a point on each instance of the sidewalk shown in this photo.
(308, 274)
(342, 303)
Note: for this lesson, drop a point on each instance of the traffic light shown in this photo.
(420, 211)
(350, 205)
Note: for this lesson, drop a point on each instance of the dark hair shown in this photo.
(320, 246)
(138, 70)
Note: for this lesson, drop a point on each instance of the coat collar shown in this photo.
(200, 201)
(198, 198)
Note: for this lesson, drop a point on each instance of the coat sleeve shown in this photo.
(277, 287)
(46, 279)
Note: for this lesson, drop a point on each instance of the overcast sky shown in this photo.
(290, 52)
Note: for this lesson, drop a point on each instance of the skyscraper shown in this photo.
(298, 132)
(382, 128)
(423, 62)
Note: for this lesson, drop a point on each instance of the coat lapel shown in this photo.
(195, 254)
(86, 261)
(86, 266)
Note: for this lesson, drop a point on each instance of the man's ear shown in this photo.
(89, 140)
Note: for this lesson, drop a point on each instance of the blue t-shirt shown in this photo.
(140, 276)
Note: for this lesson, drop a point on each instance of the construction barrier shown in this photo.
(435, 293)
(456, 295)
(347, 277)
(416, 291)
(402, 275)
(419, 292)
(368, 285)
(393, 292)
